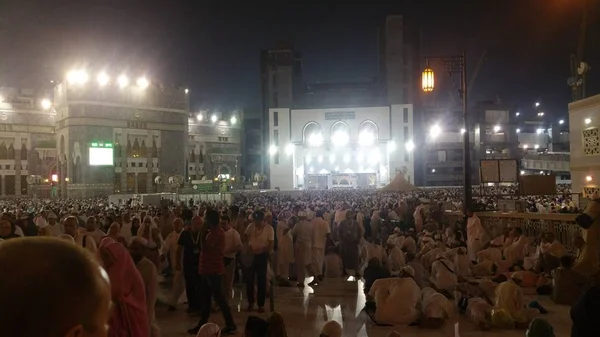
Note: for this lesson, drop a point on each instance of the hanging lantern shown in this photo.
(427, 80)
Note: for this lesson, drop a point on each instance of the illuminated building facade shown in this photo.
(361, 147)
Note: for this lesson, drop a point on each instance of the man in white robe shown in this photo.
(436, 308)
(126, 229)
(303, 235)
(443, 276)
(147, 269)
(320, 231)
(82, 240)
(285, 251)
(479, 312)
(395, 258)
(54, 226)
(409, 244)
(492, 253)
(396, 299)
(515, 253)
(475, 235)
(169, 249)
(462, 264)
(509, 296)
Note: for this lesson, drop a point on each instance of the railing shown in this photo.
(534, 225)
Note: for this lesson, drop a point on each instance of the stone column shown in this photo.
(135, 183)
(3, 187)
(17, 175)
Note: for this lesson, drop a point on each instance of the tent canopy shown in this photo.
(398, 184)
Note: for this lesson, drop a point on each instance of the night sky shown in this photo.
(213, 48)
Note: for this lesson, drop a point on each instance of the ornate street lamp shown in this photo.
(456, 64)
(428, 80)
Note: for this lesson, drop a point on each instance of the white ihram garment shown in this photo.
(396, 300)
(475, 235)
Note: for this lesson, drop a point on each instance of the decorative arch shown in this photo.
(310, 127)
(369, 126)
(339, 125)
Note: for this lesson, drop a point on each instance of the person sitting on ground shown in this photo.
(331, 329)
(395, 257)
(567, 284)
(479, 312)
(418, 269)
(515, 253)
(509, 298)
(462, 264)
(333, 263)
(443, 276)
(492, 253)
(73, 301)
(374, 272)
(396, 299)
(428, 258)
(549, 255)
(436, 308)
(256, 327)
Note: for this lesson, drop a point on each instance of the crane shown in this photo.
(579, 68)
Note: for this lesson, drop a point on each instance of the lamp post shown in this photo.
(455, 64)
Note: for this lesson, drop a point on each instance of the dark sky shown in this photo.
(213, 47)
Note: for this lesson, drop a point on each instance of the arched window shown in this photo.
(368, 133)
(312, 134)
(340, 134)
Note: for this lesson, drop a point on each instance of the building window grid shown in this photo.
(276, 137)
(406, 134)
(405, 115)
(275, 118)
(591, 142)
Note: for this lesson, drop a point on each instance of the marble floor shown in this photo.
(306, 310)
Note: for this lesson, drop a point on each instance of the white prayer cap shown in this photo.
(332, 329)
(41, 222)
(302, 214)
(437, 237)
(397, 230)
(140, 240)
(409, 270)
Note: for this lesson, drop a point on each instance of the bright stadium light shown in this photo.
(199, 117)
(143, 82)
(366, 138)
(522, 172)
(435, 131)
(46, 104)
(289, 149)
(409, 146)
(539, 131)
(308, 158)
(588, 178)
(346, 158)
(359, 157)
(233, 120)
(102, 79)
(496, 128)
(562, 121)
(518, 130)
(213, 118)
(332, 158)
(77, 77)
(340, 138)
(536, 146)
(537, 104)
(462, 130)
(375, 158)
(588, 120)
(320, 159)
(525, 146)
(186, 90)
(123, 81)
(315, 139)
(272, 150)
(517, 114)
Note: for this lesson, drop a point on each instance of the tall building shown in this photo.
(118, 136)
(397, 61)
(584, 124)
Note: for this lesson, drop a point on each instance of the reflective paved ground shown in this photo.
(305, 312)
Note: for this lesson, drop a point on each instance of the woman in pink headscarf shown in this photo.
(129, 318)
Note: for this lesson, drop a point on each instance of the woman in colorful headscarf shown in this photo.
(276, 325)
(129, 318)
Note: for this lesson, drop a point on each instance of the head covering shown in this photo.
(209, 330)
(67, 237)
(408, 270)
(276, 325)
(302, 214)
(126, 286)
(51, 215)
(539, 328)
(332, 329)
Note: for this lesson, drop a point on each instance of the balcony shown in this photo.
(533, 224)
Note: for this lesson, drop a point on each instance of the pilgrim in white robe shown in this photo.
(443, 276)
(397, 300)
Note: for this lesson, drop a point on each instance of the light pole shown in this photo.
(455, 64)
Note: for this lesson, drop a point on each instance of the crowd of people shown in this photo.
(416, 271)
